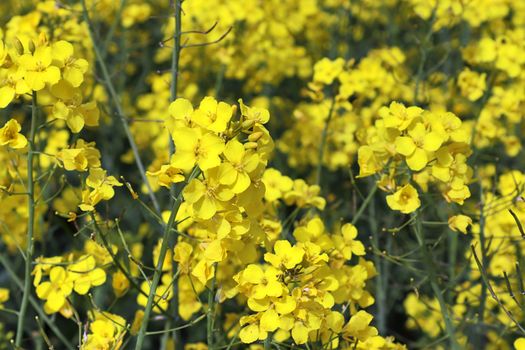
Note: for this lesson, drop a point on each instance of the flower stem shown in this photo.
(381, 278)
(157, 274)
(158, 269)
(175, 57)
(322, 145)
(30, 222)
(365, 203)
(177, 4)
(211, 309)
(430, 268)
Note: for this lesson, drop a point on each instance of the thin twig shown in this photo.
(187, 46)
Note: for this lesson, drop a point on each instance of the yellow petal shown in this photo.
(418, 160)
(249, 334)
(269, 320)
(405, 145)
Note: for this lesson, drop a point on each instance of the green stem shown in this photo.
(211, 309)
(175, 58)
(430, 268)
(380, 287)
(116, 101)
(452, 258)
(324, 137)
(424, 52)
(484, 261)
(112, 29)
(268, 342)
(158, 270)
(365, 204)
(118, 264)
(157, 274)
(30, 222)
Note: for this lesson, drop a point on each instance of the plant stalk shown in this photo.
(430, 268)
(322, 145)
(30, 222)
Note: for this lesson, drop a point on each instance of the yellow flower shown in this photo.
(85, 274)
(459, 223)
(12, 83)
(167, 175)
(368, 161)
(265, 283)
(101, 188)
(181, 112)
(214, 251)
(240, 164)
(135, 13)
(269, 321)
(182, 255)
(208, 195)
(120, 283)
(43, 265)
(398, 116)
(38, 69)
(254, 115)
(304, 195)
(4, 296)
(358, 327)
(73, 69)
(416, 145)
(213, 115)
(300, 333)
(10, 135)
(204, 271)
(347, 243)
(285, 255)
(250, 333)
(326, 70)
(276, 184)
(70, 108)
(80, 157)
(519, 344)
(405, 199)
(137, 322)
(472, 84)
(106, 331)
(56, 290)
(196, 146)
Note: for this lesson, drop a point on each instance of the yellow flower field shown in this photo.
(247, 174)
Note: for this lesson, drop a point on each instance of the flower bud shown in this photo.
(248, 123)
(18, 46)
(255, 136)
(250, 145)
(32, 47)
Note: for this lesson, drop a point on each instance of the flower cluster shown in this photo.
(433, 146)
(63, 277)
